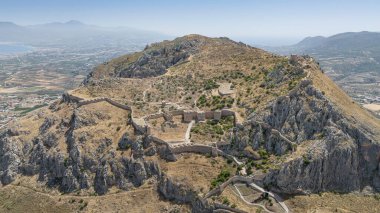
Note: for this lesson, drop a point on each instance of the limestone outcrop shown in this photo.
(339, 156)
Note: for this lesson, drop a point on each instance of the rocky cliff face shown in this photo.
(156, 60)
(76, 167)
(153, 61)
(340, 156)
(180, 193)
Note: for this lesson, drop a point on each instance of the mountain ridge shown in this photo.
(72, 33)
(351, 59)
(286, 121)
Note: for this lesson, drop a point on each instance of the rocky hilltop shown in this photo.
(183, 116)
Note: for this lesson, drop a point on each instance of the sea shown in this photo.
(10, 49)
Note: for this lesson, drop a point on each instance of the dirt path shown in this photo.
(249, 203)
(187, 135)
(275, 196)
(144, 93)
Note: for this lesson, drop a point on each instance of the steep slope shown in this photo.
(350, 59)
(129, 122)
(337, 141)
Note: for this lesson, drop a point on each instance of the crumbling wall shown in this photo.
(154, 116)
(139, 124)
(196, 148)
(67, 97)
(176, 112)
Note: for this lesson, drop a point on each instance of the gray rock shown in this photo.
(154, 62)
(125, 142)
(100, 181)
(342, 157)
(10, 159)
(49, 121)
(69, 182)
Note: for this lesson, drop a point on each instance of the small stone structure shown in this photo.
(188, 116)
(140, 125)
(225, 89)
(201, 116)
(217, 115)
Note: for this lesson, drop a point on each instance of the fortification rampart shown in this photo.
(140, 124)
(154, 116)
(116, 104)
(194, 148)
(158, 141)
(176, 112)
(67, 97)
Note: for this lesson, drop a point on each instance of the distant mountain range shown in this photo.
(74, 33)
(344, 44)
(352, 59)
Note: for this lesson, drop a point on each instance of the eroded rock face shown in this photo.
(181, 193)
(10, 158)
(154, 62)
(173, 190)
(74, 167)
(341, 156)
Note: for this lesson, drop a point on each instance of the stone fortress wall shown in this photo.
(196, 148)
(140, 124)
(188, 115)
(67, 97)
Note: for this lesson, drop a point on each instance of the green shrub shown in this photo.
(306, 160)
(226, 201)
(249, 170)
(210, 84)
(222, 177)
(263, 154)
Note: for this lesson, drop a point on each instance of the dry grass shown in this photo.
(218, 60)
(20, 199)
(329, 202)
(230, 194)
(166, 132)
(23, 199)
(197, 171)
(347, 106)
(110, 121)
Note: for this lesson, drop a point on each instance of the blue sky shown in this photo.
(284, 20)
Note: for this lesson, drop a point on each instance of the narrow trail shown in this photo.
(249, 203)
(275, 196)
(144, 93)
(187, 135)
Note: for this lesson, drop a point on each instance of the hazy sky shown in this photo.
(284, 20)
